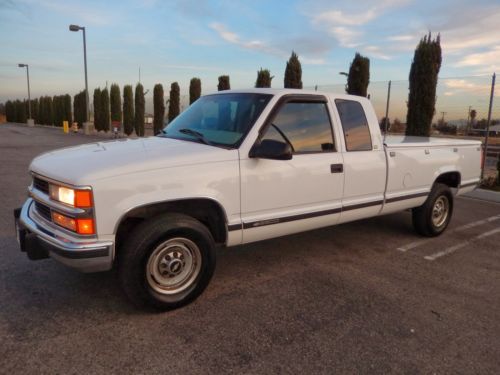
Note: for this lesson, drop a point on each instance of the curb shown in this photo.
(484, 195)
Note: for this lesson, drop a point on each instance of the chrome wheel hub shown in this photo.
(173, 266)
(440, 211)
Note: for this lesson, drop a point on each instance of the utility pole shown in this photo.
(442, 118)
(29, 94)
(492, 94)
(77, 28)
(467, 127)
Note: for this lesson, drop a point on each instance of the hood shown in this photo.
(83, 164)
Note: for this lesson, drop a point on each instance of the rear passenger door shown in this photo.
(364, 163)
(280, 197)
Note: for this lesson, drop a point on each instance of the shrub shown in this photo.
(139, 110)
(194, 90)
(359, 76)
(116, 103)
(97, 109)
(223, 83)
(174, 102)
(293, 73)
(159, 108)
(105, 110)
(423, 81)
(128, 110)
(263, 78)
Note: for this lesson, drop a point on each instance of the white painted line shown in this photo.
(452, 249)
(415, 244)
(412, 245)
(476, 223)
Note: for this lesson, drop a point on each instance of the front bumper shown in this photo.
(40, 240)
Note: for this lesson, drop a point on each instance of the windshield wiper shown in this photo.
(197, 135)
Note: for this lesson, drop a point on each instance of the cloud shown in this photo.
(346, 24)
(376, 51)
(338, 17)
(488, 58)
(259, 45)
(466, 85)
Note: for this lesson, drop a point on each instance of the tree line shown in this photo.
(109, 107)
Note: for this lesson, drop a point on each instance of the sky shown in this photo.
(174, 40)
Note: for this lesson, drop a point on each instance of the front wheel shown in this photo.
(432, 218)
(167, 261)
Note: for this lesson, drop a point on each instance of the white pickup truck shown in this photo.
(235, 167)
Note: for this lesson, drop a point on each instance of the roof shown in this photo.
(280, 92)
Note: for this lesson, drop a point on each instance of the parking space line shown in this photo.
(415, 244)
(454, 248)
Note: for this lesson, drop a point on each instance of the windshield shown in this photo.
(220, 120)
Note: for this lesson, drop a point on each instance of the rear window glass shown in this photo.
(355, 126)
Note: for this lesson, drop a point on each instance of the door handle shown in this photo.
(336, 168)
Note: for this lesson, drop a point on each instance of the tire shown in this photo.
(166, 262)
(432, 218)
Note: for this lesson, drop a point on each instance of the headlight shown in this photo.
(71, 197)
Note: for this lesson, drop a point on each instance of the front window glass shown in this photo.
(304, 125)
(219, 120)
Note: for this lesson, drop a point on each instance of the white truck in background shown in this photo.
(235, 167)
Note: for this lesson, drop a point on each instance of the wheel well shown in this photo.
(451, 179)
(207, 211)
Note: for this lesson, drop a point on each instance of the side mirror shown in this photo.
(271, 149)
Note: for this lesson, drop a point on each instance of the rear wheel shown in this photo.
(167, 261)
(432, 218)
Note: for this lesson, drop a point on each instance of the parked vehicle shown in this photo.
(235, 167)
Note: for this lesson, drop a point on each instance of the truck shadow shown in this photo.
(47, 299)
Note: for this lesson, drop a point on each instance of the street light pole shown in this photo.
(77, 28)
(29, 94)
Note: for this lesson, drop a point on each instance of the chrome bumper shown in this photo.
(86, 255)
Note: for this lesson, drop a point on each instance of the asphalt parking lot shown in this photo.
(364, 297)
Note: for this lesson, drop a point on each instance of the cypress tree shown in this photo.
(139, 110)
(20, 111)
(223, 83)
(50, 111)
(174, 103)
(159, 108)
(79, 108)
(34, 111)
(359, 76)
(9, 116)
(105, 109)
(67, 109)
(194, 90)
(263, 78)
(128, 110)
(293, 73)
(55, 109)
(116, 103)
(423, 81)
(97, 109)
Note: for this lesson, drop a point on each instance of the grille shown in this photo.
(43, 211)
(41, 185)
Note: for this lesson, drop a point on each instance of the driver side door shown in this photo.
(280, 197)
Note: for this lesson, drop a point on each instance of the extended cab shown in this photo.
(235, 167)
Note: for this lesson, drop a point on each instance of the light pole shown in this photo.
(77, 28)
(29, 94)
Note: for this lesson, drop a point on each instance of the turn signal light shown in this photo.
(85, 226)
(80, 226)
(83, 198)
(64, 221)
